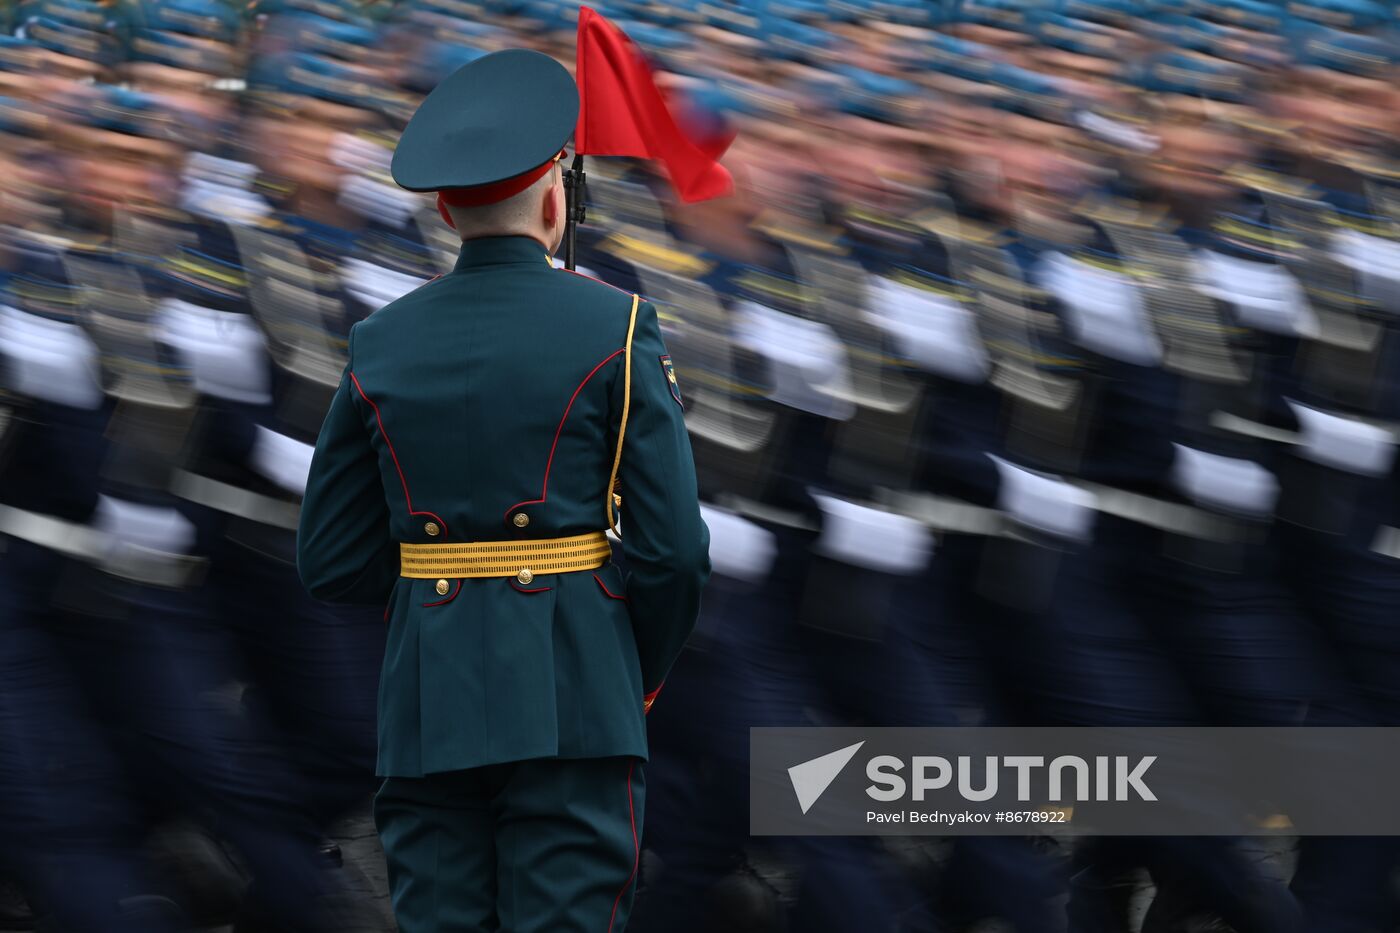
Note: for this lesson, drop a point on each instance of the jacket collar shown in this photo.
(495, 250)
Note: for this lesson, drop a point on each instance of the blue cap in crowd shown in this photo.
(1192, 75)
(331, 9)
(1030, 94)
(16, 54)
(959, 58)
(1342, 14)
(297, 74)
(1252, 15)
(78, 14)
(732, 18)
(795, 41)
(875, 96)
(1082, 37)
(100, 48)
(999, 14)
(203, 19)
(436, 61)
(1106, 12)
(1345, 52)
(344, 40)
(904, 12)
(179, 51)
(1186, 33)
(121, 110)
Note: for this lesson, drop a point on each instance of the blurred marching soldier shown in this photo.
(1004, 420)
(185, 53)
(1021, 566)
(695, 787)
(1199, 358)
(152, 654)
(911, 468)
(1337, 430)
(524, 813)
(80, 41)
(260, 311)
(1338, 491)
(818, 365)
(73, 835)
(1186, 507)
(866, 635)
(758, 419)
(1075, 372)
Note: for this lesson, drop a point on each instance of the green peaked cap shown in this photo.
(497, 117)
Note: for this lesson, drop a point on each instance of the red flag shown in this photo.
(623, 113)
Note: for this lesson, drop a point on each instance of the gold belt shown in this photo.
(520, 559)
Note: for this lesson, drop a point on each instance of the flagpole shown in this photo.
(575, 193)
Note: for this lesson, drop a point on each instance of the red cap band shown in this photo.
(496, 191)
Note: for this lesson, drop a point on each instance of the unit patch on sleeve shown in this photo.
(669, 369)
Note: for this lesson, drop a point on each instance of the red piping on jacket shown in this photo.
(408, 500)
(544, 489)
(584, 275)
(637, 856)
(608, 591)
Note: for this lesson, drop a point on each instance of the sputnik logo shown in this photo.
(811, 778)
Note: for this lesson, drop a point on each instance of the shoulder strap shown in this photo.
(614, 500)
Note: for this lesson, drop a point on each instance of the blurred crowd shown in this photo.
(1041, 370)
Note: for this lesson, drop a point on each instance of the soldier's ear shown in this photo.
(444, 213)
(552, 206)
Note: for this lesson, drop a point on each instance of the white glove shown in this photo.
(1224, 483)
(1045, 503)
(50, 360)
(865, 537)
(739, 549)
(1343, 443)
(131, 525)
(284, 460)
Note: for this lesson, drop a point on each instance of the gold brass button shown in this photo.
(525, 577)
(432, 529)
(442, 587)
(521, 519)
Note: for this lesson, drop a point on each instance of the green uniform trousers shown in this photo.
(549, 845)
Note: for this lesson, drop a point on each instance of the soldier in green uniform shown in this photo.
(489, 428)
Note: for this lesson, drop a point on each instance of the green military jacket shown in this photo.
(492, 392)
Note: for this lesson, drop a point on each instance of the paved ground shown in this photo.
(207, 876)
(362, 853)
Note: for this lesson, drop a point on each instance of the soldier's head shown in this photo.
(182, 52)
(536, 212)
(19, 64)
(1342, 95)
(1192, 158)
(1196, 105)
(28, 176)
(118, 148)
(489, 141)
